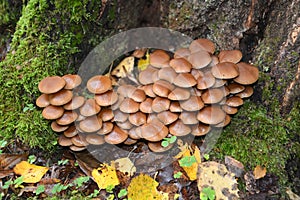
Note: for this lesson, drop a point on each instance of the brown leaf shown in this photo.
(8, 161)
(259, 172)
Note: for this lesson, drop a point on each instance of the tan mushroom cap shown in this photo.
(197, 73)
(76, 148)
(148, 89)
(160, 104)
(233, 56)
(235, 88)
(89, 108)
(188, 118)
(139, 53)
(72, 81)
(117, 136)
(178, 128)
(80, 118)
(175, 107)
(137, 119)
(154, 131)
(99, 84)
(159, 58)
(71, 131)
(205, 81)
(51, 84)
(42, 101)
(162, 88)
(155, 76)
(120, 116)
(202, 44)
(52, 112)
(60, 98)
(58, 128)
(185, 80)
(64, 141)
(200, 129)
(79, 140)
(75, 103)
(167, 74)
(116, 105)
(182, 53)
(135, 133)
(146, 106)
(106, 128)
(95, 139)
(156, 147)
(145, 76)
(106, 114)
(246, 93)
(90, 124)
(211, 115)
(229, 110)
(225, 70)
(200, 59)
(212, 96)
(248, 74)
(179, 94)
(167, 117)
(129, 106)
(194, 103)
(234, 101)
(180, 65)
(67, 118)
(219, 83)
(106, 99)
(126, 90)
(130, 141)
(224, 123)
(124, 125)
(138, 95)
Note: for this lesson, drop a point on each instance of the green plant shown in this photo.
(94, 194)
(31, 159)
(207, 194)
(177, 175)
(187, 161)
(40, 189)
(206, 156)
(78, 182)
(122, 193)
(63, 162)
(3, 144)
(167, 141)
(57, 188)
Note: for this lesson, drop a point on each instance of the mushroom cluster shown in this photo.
(188, 92)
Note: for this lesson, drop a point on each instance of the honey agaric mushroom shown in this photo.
(180, 65)
(117, 136)
(234, 101)
(205, 81)
(89, 108)
(202, 44)
(160, 104)
(42, 101)
(156, 147)
(67, 118)
(225, 70)
(148, 89)
(199, 59)
(129, 106)
(52, 112)
(179, 94)
(76, 148)
(75, 103)
(90, 124)
(154, 131)
(247, 92)
(58, 128)
(145, 76)
(126, 90)
(135, 133)
(224, 123)
(130, 141)
(137, 119)
(72, 81)
(185, 80)
(99, 84)
(159, 59)
(116, 105)
(60, 98)
(178, 128)
(162, 88)
(200, 129)
(51, 84)
(106, 114)
(219, 83)
(235, 88)
(229, 110)
(120, 116)
(175, 107)
(106, 128)
(139, 53)
(167, 117)
(125, 125)
(194, 103)
(212, 96)
(146, 106)
(64, 141)
(211, 115)
(188, 118)
(233, 56)
(95, 139)
(167, 74)
(248, 74)
(71, 131)
(182, 53)
(79, 140)
(138, 95)
(106, 99)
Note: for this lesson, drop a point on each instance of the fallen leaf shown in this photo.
(124, 165)
(124, 67)
(31, 173)
(8, 161)
(259, 172)
(292, 195)
(105, 176)
(143, 63)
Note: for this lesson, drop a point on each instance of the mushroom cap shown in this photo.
(52, 112)
(76, 148)
(160, 104)
(180, 65)
(248, 74)
(106, 114)
(42, 101)
(182, 53)
(90, 124)
(125, 125)
(219, 83)
(71, 131)
(130, 141)
(117, 136)
(225, 70)
(138, 95)
(64, 141)
(106, 99)
(60, 98)
(139, 53)
(148, 89)
(145, 76)
(126, 90)
(200, 59)
(137, 118)
(194, 103)
(106, 128)
(185, 80)
(197, 73)
(247, 92)
(67, 118)
(129, 106)
(202, 44)
(224, 123)
(99, 84)
(51, 84)
(58, 128)
(72, 81)
(213, 95)
(233, 56)
(188, 118)
(229, 109)
(200, 129)
(234, 101)
(75, 103)
(146, 106)
(95, 139)
(167, 117)
(167, 74)
(205, 81)
(235, 88)
(162, 88)
(79, 140)
(135, 133)
(89, 108)
(159, 58)
(178, 128)
(154, 131)
(175, 107)
(157, 148)
(120, 116)
(211, 115)
(179, 94)
(116, 105)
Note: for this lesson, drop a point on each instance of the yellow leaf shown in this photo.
(31, 173)
(143, 187)
(106, 177)
(125, 67)
(259, 172)
(143, 63)
(124, 165)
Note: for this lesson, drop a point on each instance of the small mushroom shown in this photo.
(199, 59)
(160, 104)
(146, 106)
(248, 74)
(224, 123)
(130, 141)
(106, 114)
(159, 59)
(64, 141)
(79, 140)
(145, 76)
(95, 139)
(106, 99)
(182, 53)
(67, 118)
(139, 53)
(229, 110)
(58, 128)
(135, 133)
(89, 108)
(137, 119)
(138, 95)
(148, 89)
(180, 65)
(188, 118)
(60, 98)
(179, 94)
(234, 101)
(51, 84)
(205, 81)
(167, 74)
(211, 115)
(194, 103)
(157, 148)
(167, 117)
(76, 148)
(125, 125)
(162, 88)
(225, 70)
(178, 128)
(71, 131)
(52, 112)
(129, 106)
(202, 44)
(90, 124)
(212, 96)
(120, 116)
(235, 88)
(117, 136)
(72, 81)
(99, 84)
(75, 103)
(200, 129)
(185, 80)
(154, 131)
(106, 128)
(175, 107)
(247, 92)
(43, 101)
(233, 56)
